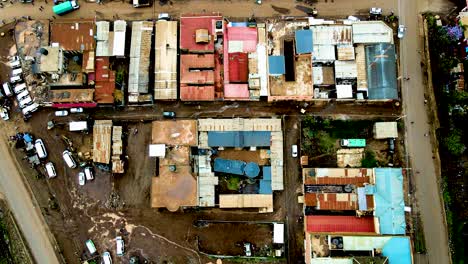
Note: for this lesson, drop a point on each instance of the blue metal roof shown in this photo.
(239, 139)
(229, 166)
(276, 64)
(267, 173)
(398, 250)
(389, 202)
(265, 187)
(381, 71)
(303, 41)
(251, 170)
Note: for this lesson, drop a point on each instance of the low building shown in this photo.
(104, 82)
(73, 35)
(165, 67)
(117, 150)
(102, 131)
(384, 130)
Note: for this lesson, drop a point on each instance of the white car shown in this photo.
(106, 258)
(25, 101)
(4, 114)
(76, 110)
(88, 173)
(30, 108)
(81, 178)
(375, 11)
(61, 113)
(401, 31)
(294, 151)
(120, 246)
(50, 168)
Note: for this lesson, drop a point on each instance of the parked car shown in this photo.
(91, 247)
(120, 246)
(76, 110)
(40, 148)
(169, 114)
(22, 95)
(106, 258)
(88, 173)
(391, 145)
(248, 250)
(375, 11)
(19, 88)
(401, 31)
(15, 79)
(16, 72)
(25, 101)
(50, 168)
(15, 64)
(7, 89)
(294, 151)
(68, 158)
(81, 178)
(61, 113)
(30, 108)
(4, 114)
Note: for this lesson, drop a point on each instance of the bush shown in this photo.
(453, 143)
(369, 160)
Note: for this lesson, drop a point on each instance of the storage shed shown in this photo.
(383, 130)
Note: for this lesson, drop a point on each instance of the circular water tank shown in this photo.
(251, 170)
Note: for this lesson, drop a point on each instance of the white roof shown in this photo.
(102, 30)
(120, 27)
(157, 150)
(344, 91)
(323, 53)
(78, 126)
(278, 233)
(331, 35)
(345, 69)
(372, 32)
(384, 130)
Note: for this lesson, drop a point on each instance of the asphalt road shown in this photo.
(29, 219)
(425, 176)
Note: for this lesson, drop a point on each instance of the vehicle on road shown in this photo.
(391, 145)
(106, 258)
(164, 16)
(120, 246)
(76, 110)
(294, 151)
(353, 143)
(81, 178)
(91, 247)
(401, 31)
(141, 3)
(376, 11)
(68, 158)
(4, 114)
(88, 173)
(65, 7)
(61, 113)
(169, 114)
(248, 250)
(40, 148)
(50, 168)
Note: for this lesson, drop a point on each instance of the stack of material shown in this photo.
(117, 163)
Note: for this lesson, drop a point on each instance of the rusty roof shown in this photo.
(102, 131)
(180, 132)
(71, 96)
(76, 35)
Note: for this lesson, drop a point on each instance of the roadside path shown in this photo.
(29, 219)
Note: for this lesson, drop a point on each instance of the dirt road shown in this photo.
(426, 177)
(28, 217)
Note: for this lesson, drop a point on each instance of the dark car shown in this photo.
(169, 114)
(391, 145)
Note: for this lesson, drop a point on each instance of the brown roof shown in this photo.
(180, 132)
(71, 96)
(102, 131)
(75, 35)
(335, 201)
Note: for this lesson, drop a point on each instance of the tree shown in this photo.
(453, 142)
(369, 160)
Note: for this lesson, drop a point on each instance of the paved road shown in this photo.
(419, 146)
(29, 219)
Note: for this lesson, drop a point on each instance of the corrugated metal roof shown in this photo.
(238, 67)
(384, 130)
(102, 130)
(339, 224)
(197, 93)
(138, 77)
(332, 35)
(73, 35)
(345, 52)
(381, 71)
(120, 28)
(188, 26)
(344, 91)
(304, 41)
(102, 30)
(398, 250)
(372, 32)
(323, 53)
(267, 173)
(265, 187)
(165, 66)
(197, 69)
(240, 124)
(229, 166)
(239, 139)
(245, 35)
(276, 65)
(71, 96)
(246, 201)
(345, 69)
(236, 91)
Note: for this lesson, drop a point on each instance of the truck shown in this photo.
(353, 143)
(65, 7)
(78, 126)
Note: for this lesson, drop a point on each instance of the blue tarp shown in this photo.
(267, 173)
(389, 202)
(251, 170)
(238, 139)
(398, 250)
(265, 187)
(303, 41)
(276, 64)
(381, 71)
(229, 166)
(27, 138)
(238, 24)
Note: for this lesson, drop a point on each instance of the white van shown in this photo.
(20, 88)
(120, 246)
(40, 148)
(15, 64)
(15, 79)
(68, 158)
(50, 170)
(30, 108)
(7, 89)
(16, 72)
(22, 95)
(90, 245)
(89, 174)
(25, 102)
(294, 151)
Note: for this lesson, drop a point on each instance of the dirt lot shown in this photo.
(259, 235)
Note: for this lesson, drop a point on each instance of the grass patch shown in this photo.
(233, 183)
(369, 160)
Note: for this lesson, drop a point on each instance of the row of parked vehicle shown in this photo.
(17, 87)
(106, 256)
(83, 176)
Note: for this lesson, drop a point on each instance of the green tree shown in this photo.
(369, 160)
(453, 142)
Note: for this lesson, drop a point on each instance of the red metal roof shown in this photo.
(236, 91)
(196, 61)
(85, 105)
(197, 93)
(247, 35)
(188, 26)
(339, 224)
(188, 62)
(73, 34)
(102, 68)
(238, 67)
(105, 82)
